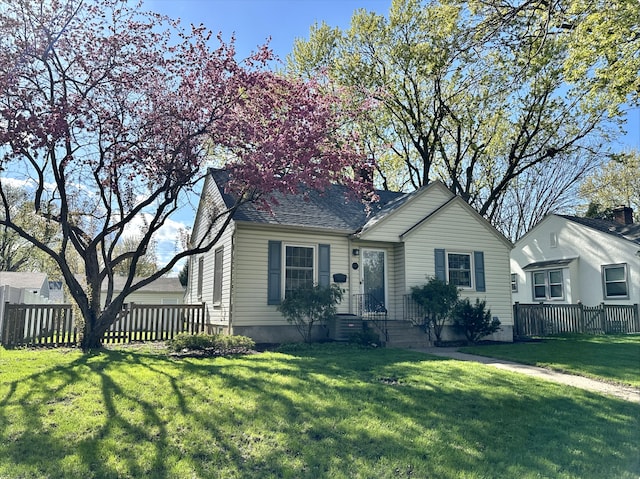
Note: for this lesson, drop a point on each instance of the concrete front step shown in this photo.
(403, 334)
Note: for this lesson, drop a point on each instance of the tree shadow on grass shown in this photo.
(323, 413)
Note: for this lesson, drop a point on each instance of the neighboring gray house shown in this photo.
(23, 286)
(568, 259)
(161, 291)
(375, 257)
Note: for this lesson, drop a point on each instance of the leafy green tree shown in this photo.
(110, 112)
(616, 183)
(438, 299)
(474, 320)
(147, 263)
(183, 275)
(16, 253)
(475, 93)
(306, 307)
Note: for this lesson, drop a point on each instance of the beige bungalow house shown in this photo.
(375, 256)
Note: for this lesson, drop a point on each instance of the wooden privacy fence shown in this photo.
(551, 319)
(54, 325)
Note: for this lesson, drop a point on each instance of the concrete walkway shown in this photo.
(622, 392)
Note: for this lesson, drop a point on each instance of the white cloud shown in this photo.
(168, 238)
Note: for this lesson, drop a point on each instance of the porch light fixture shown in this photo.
(355, 252)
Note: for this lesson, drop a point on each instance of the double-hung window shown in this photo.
(459, 267)
(614, 281)
(548, 284)
(465, 270)
(292, 267)
(298, 268)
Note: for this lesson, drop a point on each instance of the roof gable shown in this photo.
(629, 233)
(458, 201)
(403, 204)
(625, 232)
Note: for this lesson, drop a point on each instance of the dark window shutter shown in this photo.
(441, 271)
(217, 275)
(478, 261)
(324, 265)
(200, 276)
(274, 287)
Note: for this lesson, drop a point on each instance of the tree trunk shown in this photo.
(91, 336)
(97, 322)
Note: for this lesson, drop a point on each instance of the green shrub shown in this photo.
(366, 337)
(308, 306)
(473, 320)
(218, 344)
(437, 298)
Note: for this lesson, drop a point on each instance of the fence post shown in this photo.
(603, 318)
(581, 317)
(516, 326)
(3, 307)
(636, 318)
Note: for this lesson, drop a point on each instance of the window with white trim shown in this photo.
(459, 269)
(548, 284)
(514, 283)
(614, 281)
(298, 267)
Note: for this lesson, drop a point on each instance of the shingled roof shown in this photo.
(22, 279)
(627, 232)
(332, 209)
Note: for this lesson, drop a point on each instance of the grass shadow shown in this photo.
(326, 412)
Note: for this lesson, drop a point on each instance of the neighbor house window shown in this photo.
(459, 267)
(514, 283)
(217, 276)
(614, 279)
(298, 268)
(548, 284)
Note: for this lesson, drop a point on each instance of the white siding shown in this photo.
(217, 315)
(143, 297)
(583, 276)
(250, 272)
(459, 230)
(409, 214)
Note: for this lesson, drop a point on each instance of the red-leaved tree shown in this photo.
(110, 112)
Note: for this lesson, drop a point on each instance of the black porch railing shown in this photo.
(412, 311)
(372, 310)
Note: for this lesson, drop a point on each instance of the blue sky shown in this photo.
(255, 21)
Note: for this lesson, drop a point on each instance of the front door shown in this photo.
(373, 278)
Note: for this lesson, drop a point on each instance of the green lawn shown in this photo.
(614, 358)
(316, 412)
